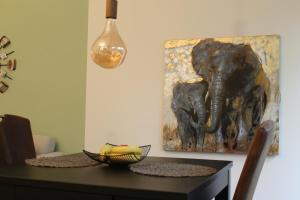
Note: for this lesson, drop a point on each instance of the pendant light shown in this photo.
(109, 50)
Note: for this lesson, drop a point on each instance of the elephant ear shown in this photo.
(176, 88)
(251, 59)
(176, 95)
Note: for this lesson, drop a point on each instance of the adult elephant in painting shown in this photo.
(238, 87)
(188, 105)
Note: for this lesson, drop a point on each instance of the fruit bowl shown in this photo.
(120, 159)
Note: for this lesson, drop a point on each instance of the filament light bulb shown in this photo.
(109, 50)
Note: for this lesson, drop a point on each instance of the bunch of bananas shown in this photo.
(118, 153)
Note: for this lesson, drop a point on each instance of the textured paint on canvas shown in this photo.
(218, 90)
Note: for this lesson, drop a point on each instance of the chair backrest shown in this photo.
(16, 143)
(256, 156)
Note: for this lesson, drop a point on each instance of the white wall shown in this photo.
(125, 105)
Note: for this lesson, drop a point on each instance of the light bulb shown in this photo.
(109, 50)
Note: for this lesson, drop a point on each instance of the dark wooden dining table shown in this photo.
(103, 182)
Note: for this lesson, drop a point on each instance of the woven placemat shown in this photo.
(172, 169)
(66, 161)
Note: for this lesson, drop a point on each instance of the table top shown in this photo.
(106, 180)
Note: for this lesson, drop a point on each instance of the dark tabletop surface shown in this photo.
(105, 179)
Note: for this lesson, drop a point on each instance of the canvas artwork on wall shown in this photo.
(218, 90)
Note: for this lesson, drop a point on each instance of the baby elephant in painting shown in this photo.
(188, 105)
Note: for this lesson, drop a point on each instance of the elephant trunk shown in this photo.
(200, 110)
(217, 99)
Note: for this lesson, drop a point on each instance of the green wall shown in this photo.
(49, 37)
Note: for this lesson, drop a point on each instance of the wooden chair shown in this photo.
(257, 154)
(16, 143)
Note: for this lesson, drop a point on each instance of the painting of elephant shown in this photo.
(188, 104)
(236, 89)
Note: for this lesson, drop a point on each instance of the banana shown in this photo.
(116, 153)
(126, 150)
(106, 149)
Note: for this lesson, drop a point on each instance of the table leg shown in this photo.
(225, 193)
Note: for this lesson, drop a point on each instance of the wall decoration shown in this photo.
(6, 65)
(218, 90)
